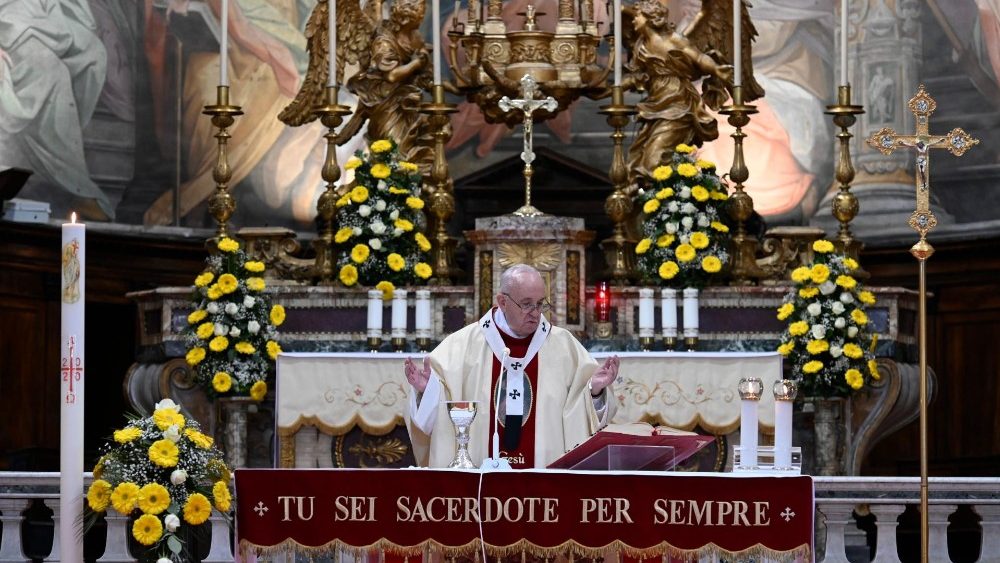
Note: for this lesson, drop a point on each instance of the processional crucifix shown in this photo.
(922, 220)
(528, 104)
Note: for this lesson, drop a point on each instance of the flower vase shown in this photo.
(828, 428)
(233, 414)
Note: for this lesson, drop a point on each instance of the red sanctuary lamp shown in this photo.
(602, 310)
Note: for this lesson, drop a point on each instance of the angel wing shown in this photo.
(711, 32)
(354, 31)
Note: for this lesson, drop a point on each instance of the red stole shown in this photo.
(524, 456)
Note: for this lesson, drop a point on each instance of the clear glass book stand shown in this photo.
(624, 457)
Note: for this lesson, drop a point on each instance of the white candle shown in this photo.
(399, 313)
(618, 42)
(690, 313)
(668, 312)
(748, 433)
(72, 292)
(224, 45)
(331, 23)
(843, 42)
(646, 312)
(784, 394)
(374, 313)
(423, 317)
(436, 35)
(737, 42)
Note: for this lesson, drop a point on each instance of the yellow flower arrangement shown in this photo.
(827, 341)
(258, 391)
(228, 245)
(277, 315)
(379, 235)
(685, 219)
(157, 477)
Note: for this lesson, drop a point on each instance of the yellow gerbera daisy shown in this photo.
(277, 315)
(380, 171)
(127, 434)
(853, 351)
(687, 170)
(153, 498)
(395, 262)
(643, 246)
(220, 493)
(685, 253)
(99, 495)
(665, 240)
(343, 234)
(344, 201)
(867, 297)
(164, 453)
(408, 166)
(817, 346)
(873, 369)
(218, 344)
(398, 191)
(214, 292)
(704, 164)
(273, 349)
(699, 240)
(786, 348)
(684, 149)
(859, 316)
(381, 145)
(165, 418)
(194, 356)
(699, 193)
(125, 497)
(800, 274)
(651, 206)
(205, 330)
(423, 270)
(360, 253)
(812, 366)
(197, 509)
(668, 270)
(387, 288)
(823, 246)
(846, 282)
(422, 242)
(201, 440)
(256, 284)
(204, 279)
(255, 266)
(228, 245)
(352, 163)
(661, 173)
(403, 224)
(819, 273)
(785, 311)
(414, 202)
(854, 379)
(665, 193)
(711, 264)
(258, 391)
(244, 347)
(851, 263)
(721, 227)
(348, 275)
(808, 292)
(196, 316)
(147, 529)
(798, 328)
(222, 382)
(359, 194)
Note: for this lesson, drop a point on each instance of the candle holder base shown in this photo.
(670, 343)
(423, 344)
(765, 461)
(646, 343)
(374, 343)
(602, 330)
(691, 342)
(398, 343)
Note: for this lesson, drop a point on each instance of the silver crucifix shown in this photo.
(528, 104)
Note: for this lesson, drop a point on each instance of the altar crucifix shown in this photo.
(528, 104)
(957, 142)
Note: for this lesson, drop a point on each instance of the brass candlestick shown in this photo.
(331, 114)
(619, 250)
(744, 265)
(221, 204)
(439, 191)
(845, 204)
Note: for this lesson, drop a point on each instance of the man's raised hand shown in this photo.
(604, 375)
(417, 376)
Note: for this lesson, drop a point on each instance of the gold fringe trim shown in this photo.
(336, 430)
(571, 548)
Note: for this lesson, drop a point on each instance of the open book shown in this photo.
(633, 447)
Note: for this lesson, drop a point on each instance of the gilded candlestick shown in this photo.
(221, 203)
(744, 268)
(619, 250)
(439, 191)
(845, 203)
(331, 114)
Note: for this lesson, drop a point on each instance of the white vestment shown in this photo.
(461, 369)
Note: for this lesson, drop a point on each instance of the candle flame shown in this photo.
(72, 217)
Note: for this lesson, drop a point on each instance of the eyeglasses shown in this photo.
(542, 306)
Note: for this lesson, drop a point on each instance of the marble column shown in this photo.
(990, 550)
(11, 516)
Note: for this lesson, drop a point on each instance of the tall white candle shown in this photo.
(224, 45)
(618, 42)
(784, 394)
(423, 313)
(646, 307)
(374, 313)
(399, 313)
(331, 23)
(436, 36)
(843, 42)
(668, 312)
(690, 312)
(73, 290)
(737, 42)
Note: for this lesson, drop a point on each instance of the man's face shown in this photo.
(520, 305)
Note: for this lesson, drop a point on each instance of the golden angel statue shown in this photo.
(667, 65)
(393, 70)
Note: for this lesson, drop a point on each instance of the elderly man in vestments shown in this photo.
(551, 397)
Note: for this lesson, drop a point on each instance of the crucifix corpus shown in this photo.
(957, 142)
(528, 104)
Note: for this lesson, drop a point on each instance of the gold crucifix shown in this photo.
(956, 141)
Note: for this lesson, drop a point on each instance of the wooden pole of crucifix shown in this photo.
(922, 220)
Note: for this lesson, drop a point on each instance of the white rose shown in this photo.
(814, 309)
(212, 308)
(840, 322)
(703, 220)
(234, 332)
(221, 329)
(378, 227)
(689, 208)
(171, 522)
(173, 433)
(375, 244)
(673, 206)
(167, 404)
(852, 331)
(827, 287)
(688, 222)
(364, 211)
(394, 214)
(836, 351)
(818, 332)
(380, 205)
(381, 185)
(253, 327)
(846, 298)
(396, 232)
(685, 192)
(671, 227)
(178, 476)
(249, 301)
(685, 238)
(232, 309)
(837, 307)
(356, 231)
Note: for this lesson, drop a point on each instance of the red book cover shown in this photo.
(633, 447)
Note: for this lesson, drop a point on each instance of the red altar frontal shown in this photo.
(539, 513)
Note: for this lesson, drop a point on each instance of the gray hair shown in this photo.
(508, 277)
